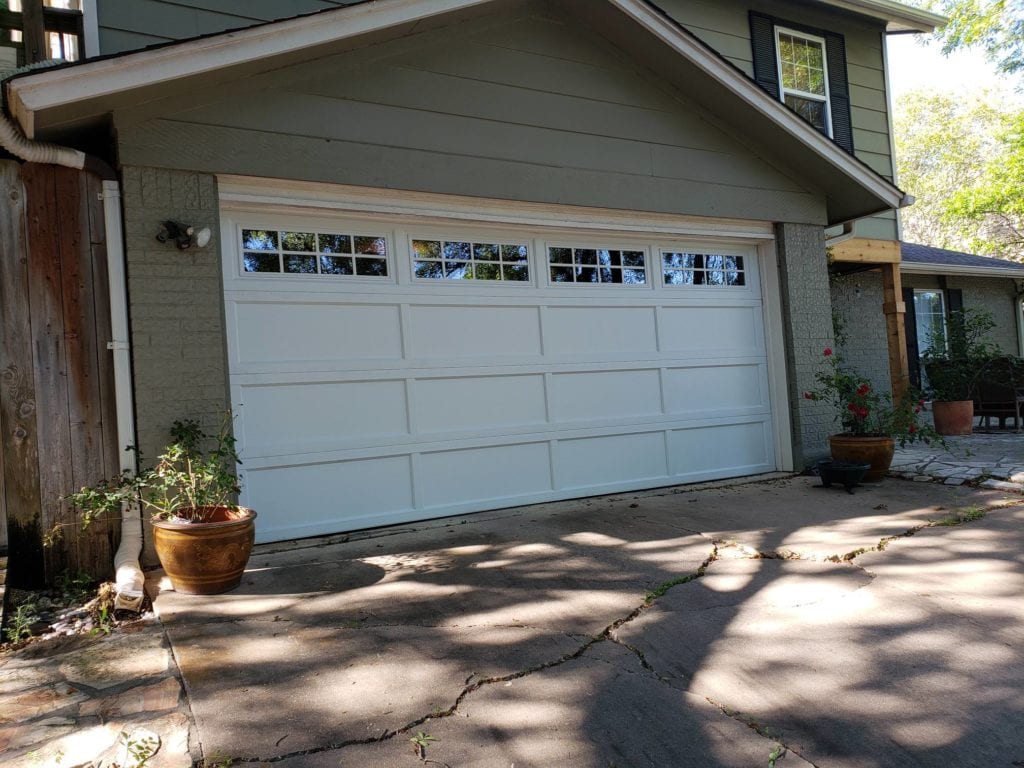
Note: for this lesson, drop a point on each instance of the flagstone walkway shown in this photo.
(990, 460)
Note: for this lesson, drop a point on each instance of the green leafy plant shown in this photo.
(19, 623)
(420, 742)
(864, 411)
(775, 755)
(959, 355)
(196, 470)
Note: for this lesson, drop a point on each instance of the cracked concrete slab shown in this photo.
(335, 643)
(602, 709)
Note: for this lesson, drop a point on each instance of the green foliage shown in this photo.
(420, 742)
(195, 470)
(19, 623)
(963, 158)
(864, 411)
(994, 26)
(959, 356)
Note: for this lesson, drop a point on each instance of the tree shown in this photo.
(994, 26)
(963, 159)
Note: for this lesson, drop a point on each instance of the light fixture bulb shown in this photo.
(202, 237)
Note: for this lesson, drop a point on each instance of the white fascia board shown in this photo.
(915, 268)
(901, 18)
(94, 79)
(719, 69)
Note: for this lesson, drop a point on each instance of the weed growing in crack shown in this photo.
(420, 742)
(19, 625)
(661, 589)
(961, 516)
(776, 753)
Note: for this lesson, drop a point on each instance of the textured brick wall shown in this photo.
(807, 318)
(176, 305)
(857, 299)
(998, 295)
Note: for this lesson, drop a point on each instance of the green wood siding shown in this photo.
(527, 107)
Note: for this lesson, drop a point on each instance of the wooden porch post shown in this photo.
(896, 334)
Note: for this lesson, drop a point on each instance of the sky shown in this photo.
(913, 66)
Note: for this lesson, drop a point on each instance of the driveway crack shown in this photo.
(759, 728)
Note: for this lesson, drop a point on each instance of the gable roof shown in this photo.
(924, 259)
(46, 101)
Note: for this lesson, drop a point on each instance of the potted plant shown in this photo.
(202, 537)
(872, 423)
(956, 358)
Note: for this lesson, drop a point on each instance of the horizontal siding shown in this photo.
(475, 111)
(129, 24)
(724, 25)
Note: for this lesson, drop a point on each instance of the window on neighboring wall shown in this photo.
(53, 29)
(803, 76)
(805, 69)
(930, 314)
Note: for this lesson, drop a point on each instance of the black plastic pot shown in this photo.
(844, 473)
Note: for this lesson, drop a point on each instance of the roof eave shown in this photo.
(921, 268)
(899, 18)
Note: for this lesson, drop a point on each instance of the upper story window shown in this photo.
(803, 76)
(806, 70)
(33, 34)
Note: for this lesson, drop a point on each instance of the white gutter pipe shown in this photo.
(128, 573)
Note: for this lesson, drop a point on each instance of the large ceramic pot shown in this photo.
(858, 449)
(954, 417)
(206, 557)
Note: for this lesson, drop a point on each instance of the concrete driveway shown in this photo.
(729, 626)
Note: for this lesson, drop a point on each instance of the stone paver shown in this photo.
(966, 459)
(523, 637)
(67, 702)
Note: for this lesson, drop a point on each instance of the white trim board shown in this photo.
(246, 192)
(915, 268)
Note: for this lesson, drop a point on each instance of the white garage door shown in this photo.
(387, 370)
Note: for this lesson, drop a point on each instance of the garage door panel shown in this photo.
(732, 448)
(317, 498)
(600, 395)
(286, 418)
(284, 332)
(600, 330)
(696, 390)
(479, 403)
(483, 332)
(607, 460)
(722, 330)
(484, 474)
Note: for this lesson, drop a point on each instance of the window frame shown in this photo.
(577, 245)
(472, 239)
(281, 252)
(783, 91)
(924, 344)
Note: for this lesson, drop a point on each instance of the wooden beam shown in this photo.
(861, 250)
(895, 330)
(34, 28)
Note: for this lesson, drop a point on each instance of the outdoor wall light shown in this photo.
(183, 235)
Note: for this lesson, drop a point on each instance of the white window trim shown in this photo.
(477, 239)
(945, 324)
(388, 259)
(783, 91)
(577, 245)
(703, 287)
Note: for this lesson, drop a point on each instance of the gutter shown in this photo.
(128, 574)
(918, 268)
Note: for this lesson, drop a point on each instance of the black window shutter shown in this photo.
(762, 40)
(910, 326)
(954, 300)
(839, 91)
(766, 71)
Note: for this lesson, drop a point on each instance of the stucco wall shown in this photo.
(176, 305)
(807, 321)
(997, 295)
(857, 300)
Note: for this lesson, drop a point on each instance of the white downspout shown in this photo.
(128, 575)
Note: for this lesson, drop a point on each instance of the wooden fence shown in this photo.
(57, 417)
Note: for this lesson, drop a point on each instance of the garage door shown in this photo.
(387, 370)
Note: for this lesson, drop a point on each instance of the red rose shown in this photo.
(828, 351)
(852, 408)
(863, 389)
(912, 429)
(863, 413)
(808, 396)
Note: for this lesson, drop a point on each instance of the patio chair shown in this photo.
(999, 392)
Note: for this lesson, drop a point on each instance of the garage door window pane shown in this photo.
(467, 260)
(713, 269)
(313, 253)
(604, 266)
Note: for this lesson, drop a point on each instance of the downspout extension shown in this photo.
(128, 573)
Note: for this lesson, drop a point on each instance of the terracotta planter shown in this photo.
(954, 417)
(207, 557)
(855, 449)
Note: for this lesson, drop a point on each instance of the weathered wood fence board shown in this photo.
(53, 348)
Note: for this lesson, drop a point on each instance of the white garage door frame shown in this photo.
(247, 202)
